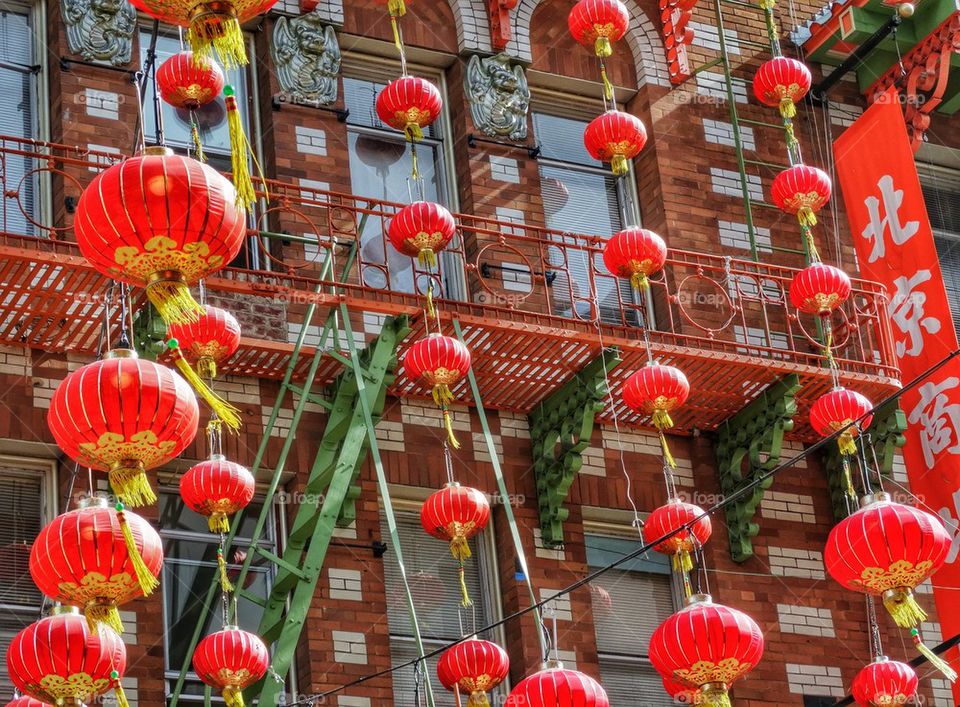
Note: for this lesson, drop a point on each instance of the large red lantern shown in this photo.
(97, 559)
(555, 686)
(781, 83)
(124, 415)
(819, 289)
(60, 661)
(885, 682)
(598, 23)
(707, 646)
(475, 667)
(615, 137)
(670, 517)
(421, 230)
(217, 488)
(209, 341)
(188, 81)
(455, 513)
(230, 660)
(802, 191)
(160, 221)
(409, 104)
(439, 361)
(837, 410)
(656, 390)
(680, 693)
(635, 253)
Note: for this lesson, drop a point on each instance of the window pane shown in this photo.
(175, 515)
(562, 139)
(941, 192)
(17, 117)
(629, 684)
(360, 96)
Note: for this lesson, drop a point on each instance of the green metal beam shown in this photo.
(560, 430)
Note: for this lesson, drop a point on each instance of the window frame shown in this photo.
(930, 174)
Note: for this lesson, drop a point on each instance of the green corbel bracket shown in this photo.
(560, 430)
(886, 434)
(749, 444)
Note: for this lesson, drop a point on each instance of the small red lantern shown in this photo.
(476, 667)
(60, 661)
(208, 341)
(409, 104)
(217, 488)
(668, 518)
(680, 693)
(635, 253)
(230, 660)
(781, 83)
(124, 415)
(555, 686)
(819, 289)
(707, 646)
(26, 702)
(97, 559)
(885, 682)
(440, 361)
(656, 390)
(455, 513)
(160, 221)
(801, 191)
(615, 137)
(838, 409)
(597, 23)
(421, 230)
(186, 81)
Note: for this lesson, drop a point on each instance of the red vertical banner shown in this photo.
(894, 244)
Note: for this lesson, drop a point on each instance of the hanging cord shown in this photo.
(152, 69)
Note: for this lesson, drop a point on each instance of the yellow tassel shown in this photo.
(847, 444)
(791, 135)
(640, 282)
(448, 426)
(715, 695)
(131, 485)
(173, 301)
(442, 395)
(414, 132)
(661, 419)
(682, 562)
(478, 698)
(225, 584)
(788, 109)
(233, 697)
(227, 413)
(667, 456)
(848, 478)
(936, 661)
(396, 34)
(121, 696)
(98, 615)
(218, 33)
(239, 156)
(903, 607)
(197, 145)
(145, 577)
(768, 4)
(427, 258)
(396, 8)
(619, 166)
(607, 86)
(218, 523)
(207, 368)
(431, 311)
(460, 548)
(414, 163)
(808, 239)
(602, 47)
(806, 217)
(465, 599)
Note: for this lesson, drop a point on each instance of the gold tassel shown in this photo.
(413, 132)
(682, 562)
(903, 607)
(396, 8)
(715, 695)
(218, 523)
(767, 4)
(239, 153)
(221, 34)
(791, 135)
(427, 258)
(806, 217)
(233, 697)
(640, 282)
(173, 301)
(448, 426)
(808, 239)
(788, 109)
(431, 311)
(661, 419)
(145, 577)
(602, 47)
(465, 600)
(442, 395)
(607, 86)
(478, 698)
(667, 456)
(118, 690)
(129, 481)
(936, 661)
(228, 414)
(459, 547)
(225, 584)
(98, 615)
(396, 34)
(207, 368)
(848, 478)
(847, 444)
(619, 166)
(197, 145)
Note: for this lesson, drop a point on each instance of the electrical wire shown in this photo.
(646, 547)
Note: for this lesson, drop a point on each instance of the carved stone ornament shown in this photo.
(307, 56)
(499, 96)
(100, 30)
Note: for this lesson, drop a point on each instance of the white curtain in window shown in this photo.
(17, 117)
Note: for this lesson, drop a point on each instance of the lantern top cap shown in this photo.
(156, 151)
(218, 457)
(695, 599)
(61, 610)
(120, 353)
(872, 498)
(95, 501)
(552, 664)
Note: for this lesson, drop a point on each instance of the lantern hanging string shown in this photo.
(646, 547)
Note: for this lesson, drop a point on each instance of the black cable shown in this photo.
(742, 491)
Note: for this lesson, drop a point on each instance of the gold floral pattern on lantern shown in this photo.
(96, 587)
(113, 448)
(901, 573)
(704, 671)
(56, 688)
(193, 260)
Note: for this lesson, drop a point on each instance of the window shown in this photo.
(22, 494)
(579, 195)
(189, 566)
(941, 192)
(628, 604)
(432, 575)
(380, 166)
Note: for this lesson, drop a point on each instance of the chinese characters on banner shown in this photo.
(894, 244)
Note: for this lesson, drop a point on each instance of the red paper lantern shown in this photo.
(60, 661)
(124, 415)
(819, 289)
(160, 221)
(635, 253)
(409, 104)
(421, 230)
(208, 341)
(668, 518)
(597, 23)
(615, 137)
(440, 361)
(455, 513)
(781, 83)
(555, 686)
(885, 682)
(26, 702)
(217, 488)
(230, 660)
(97, 559)
(707, 646)
(189, 82)
(476, 667)
(656, 390)
(801, 191)
(837, 409)
(680, 693)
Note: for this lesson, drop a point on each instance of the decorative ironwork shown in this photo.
(499, 12)
(100, 30)
(560, 428)
(307, 56)
(499, 96)
(749, 444)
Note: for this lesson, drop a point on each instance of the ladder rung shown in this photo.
(284, 582)
(742, 3)
(337, 356)
(249, 596)
(771, 165)
(280, 562)
(762, 124)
